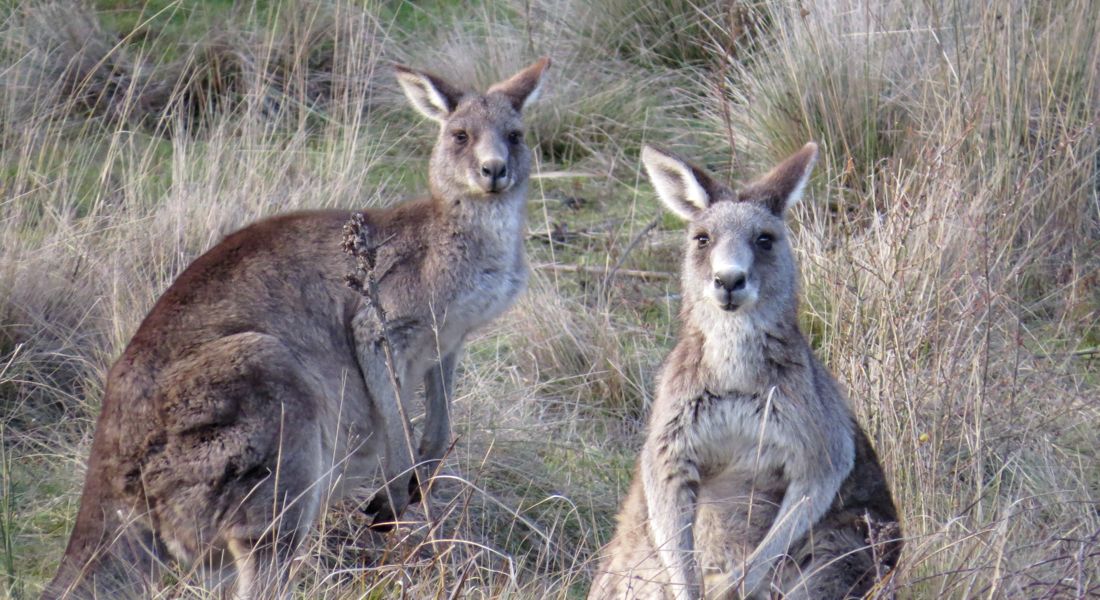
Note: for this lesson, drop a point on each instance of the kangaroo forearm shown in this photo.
(382, 375)
(671, 488)
(438, 392)
(802, 506)
(387, 400)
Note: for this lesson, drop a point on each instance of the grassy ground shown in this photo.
(950, 248)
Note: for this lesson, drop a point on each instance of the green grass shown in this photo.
(172, 23)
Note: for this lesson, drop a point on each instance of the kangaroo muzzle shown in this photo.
(731, 287)
(492, 174)
(495, 174)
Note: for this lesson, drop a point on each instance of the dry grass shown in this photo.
(949, 250)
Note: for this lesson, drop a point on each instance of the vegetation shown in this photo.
(950, 249)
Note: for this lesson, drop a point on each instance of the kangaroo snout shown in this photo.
(731, 289)
(489, 168)
(731, 281)
(494, 175)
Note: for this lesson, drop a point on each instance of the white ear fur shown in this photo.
(796, 194)
(675, 182)
(525, 86)
(424, 96)
(534, 95)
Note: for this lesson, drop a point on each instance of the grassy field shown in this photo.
(949, 245)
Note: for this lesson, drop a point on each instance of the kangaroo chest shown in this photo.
(434, 300)
(484, 277)
(742, 449)
(492, 290)
(739, 436)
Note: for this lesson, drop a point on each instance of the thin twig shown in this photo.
(629, 248)
(470, 566)
(363, 280)
(662, 275)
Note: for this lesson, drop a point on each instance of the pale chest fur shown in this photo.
(492, 292)
(738, 433)
(733, 356)
(721, 397)
(742, 450)
(486, 280)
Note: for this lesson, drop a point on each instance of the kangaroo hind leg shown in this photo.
(840, 565)
(245, 424)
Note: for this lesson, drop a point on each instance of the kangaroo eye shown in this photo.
(702, 239)
(764, 241)
(460, 137)
(515, 137)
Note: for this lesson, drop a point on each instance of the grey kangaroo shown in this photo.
(259, 387)
(755, 479)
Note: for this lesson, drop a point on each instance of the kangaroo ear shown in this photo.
(782, 187)
(684, 188)
(524, 87)
(429, 94)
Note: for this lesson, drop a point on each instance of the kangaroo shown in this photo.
(755, 478)
(257, 387)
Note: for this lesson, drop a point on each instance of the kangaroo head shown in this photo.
(738, 258)
(481, 151)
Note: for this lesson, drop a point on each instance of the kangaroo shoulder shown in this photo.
(681, 375)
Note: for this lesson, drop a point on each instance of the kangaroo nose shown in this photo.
(730, 280)
(494, 169)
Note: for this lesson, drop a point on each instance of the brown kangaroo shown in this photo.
(258, 388)
(755, 479)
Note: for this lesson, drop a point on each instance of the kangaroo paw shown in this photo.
(387, 504)
(384, 520)
(381, 512)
